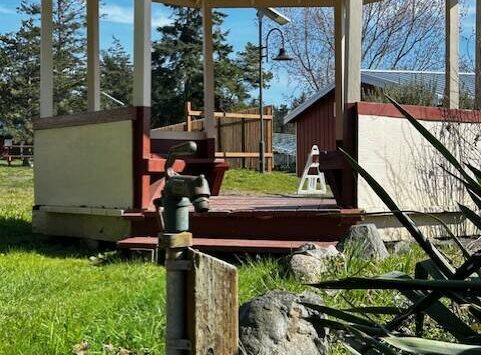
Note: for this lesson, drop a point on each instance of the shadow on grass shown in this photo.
(17, 235)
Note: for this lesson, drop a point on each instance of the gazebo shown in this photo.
(96, 172)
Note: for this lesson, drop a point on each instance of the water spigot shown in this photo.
(180, 191)
(175, 151)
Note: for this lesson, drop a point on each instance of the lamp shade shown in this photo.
(282, 56)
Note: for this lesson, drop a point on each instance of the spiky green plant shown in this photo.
(435, 279)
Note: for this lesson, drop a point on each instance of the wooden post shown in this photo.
(339, 38)
(202, 301)
(452, 55)
(188, 117)
(243, 141)
(477, 100)
(219, 133)
(212, 306)
(142, 53)
(209, 89)
(46, 60)
(268, 138)
(93, 61)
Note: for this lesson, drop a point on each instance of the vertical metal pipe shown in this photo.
(262, 168)
(477, 99)
(339, 47)
(176, 220)
(176, 305)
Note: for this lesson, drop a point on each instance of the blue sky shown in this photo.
(118, 22)
(240, 23)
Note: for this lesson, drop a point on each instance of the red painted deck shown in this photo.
(260, 224)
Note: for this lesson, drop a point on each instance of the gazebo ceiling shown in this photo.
(255, 3)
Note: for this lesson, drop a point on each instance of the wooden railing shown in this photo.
(238, 134)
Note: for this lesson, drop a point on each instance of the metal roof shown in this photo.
(383, 78)
(256, 3)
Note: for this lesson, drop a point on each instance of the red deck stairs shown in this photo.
(254, 224)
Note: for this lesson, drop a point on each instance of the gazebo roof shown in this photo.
(256, 3)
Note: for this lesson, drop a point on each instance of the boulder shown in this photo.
(364, 241)
(474, 245)
(275, 324)
(308, 262)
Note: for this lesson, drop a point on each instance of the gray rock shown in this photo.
(275, 324)
(403, 247)
(474, 245)
(365, 242)
(309, 262)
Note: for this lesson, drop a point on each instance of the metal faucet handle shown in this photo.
(178, 150)
(186, 148)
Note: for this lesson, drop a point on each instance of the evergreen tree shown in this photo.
(20, 78)
(279, 113)
(248, 61)
(116, 75)
(20, 56)
(69, 43)
(178, 68)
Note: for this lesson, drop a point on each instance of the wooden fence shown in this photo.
(238, 135)
(16, 152)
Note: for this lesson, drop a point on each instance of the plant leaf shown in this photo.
(339, 314)
(389, 283)
(476, 172)
(351, 349)
(375, 310)
(427, 346)
(471, 215)
(351, 329)
(407, 222)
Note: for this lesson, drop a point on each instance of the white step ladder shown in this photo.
(312, 184)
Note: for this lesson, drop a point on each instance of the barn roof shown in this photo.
(383, 78)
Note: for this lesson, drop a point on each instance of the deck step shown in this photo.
(253, 245)
(134, 242)
(134, 215)
(229, 244)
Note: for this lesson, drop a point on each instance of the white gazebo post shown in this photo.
(452, 54)
(46, 60)
(352, 75)
(477, 101)
(93, 62)
(209, 89)
(142, 54)
(339, 47)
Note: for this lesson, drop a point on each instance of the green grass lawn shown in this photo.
(53, 298)
(252, 182)
(243, 181)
